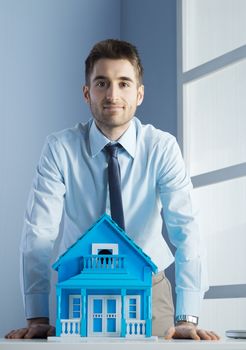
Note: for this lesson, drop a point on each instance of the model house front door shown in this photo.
(104, 315)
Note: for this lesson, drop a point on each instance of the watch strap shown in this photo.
(187, 318)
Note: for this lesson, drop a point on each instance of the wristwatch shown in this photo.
(187, 318)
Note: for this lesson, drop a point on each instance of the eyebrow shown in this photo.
(99, 77)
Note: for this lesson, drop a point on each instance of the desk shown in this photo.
(160, 344)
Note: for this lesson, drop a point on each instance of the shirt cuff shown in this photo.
(36, 305)
(189, 303)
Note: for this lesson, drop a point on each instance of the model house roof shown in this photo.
(117, 231)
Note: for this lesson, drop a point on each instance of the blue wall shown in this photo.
(43, 46)
(151, 25)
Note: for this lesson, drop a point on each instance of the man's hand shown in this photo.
(36, 328)
(186, 330)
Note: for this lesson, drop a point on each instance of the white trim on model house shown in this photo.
(104, 315)
(132, 307)
(96, 247)
(75, 306)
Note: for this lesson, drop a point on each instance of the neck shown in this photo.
(112, 133)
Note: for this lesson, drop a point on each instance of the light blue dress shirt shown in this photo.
(71, 183)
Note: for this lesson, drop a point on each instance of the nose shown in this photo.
(112, 92)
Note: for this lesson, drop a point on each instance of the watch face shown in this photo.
(236, 334)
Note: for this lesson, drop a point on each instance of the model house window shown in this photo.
(74, 306)
(133, 307)
(105, 249)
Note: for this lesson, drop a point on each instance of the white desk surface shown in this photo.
(223, 344)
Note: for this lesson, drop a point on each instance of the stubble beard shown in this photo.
(110, 121)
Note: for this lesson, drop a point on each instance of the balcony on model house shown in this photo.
(106, 263)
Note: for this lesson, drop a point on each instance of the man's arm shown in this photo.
(41, 227)
(175, 190)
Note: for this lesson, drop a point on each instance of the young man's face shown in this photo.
(114, 93)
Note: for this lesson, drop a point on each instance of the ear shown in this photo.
(140, 95)
(86, 93)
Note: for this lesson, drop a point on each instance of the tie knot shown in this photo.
(113, 149)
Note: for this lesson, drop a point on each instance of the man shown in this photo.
(72, 181)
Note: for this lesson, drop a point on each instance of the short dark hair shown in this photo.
(114, 49)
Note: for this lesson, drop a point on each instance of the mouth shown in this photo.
(112, 107)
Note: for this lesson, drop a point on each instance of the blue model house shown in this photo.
(104, 285)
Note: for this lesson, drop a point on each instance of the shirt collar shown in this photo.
(98, 141)
(129, 139)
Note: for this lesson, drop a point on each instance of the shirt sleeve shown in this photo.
(41, 227)
(181, 219)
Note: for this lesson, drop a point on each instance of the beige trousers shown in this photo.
(162, 305)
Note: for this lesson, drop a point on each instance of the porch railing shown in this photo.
(135, 328)
(104, 263)
(70, 327)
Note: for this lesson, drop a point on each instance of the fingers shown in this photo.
(188, 332)
(170, 333)
(32, 333)
(204, 335)
(215, 336)
(207, 335)
(194, 335)
(17, 333)
(51, 332)
(41, 331)
(37, 331)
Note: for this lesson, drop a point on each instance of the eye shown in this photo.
(124, 84)
(101, 83)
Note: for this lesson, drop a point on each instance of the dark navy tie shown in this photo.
(114, 182)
